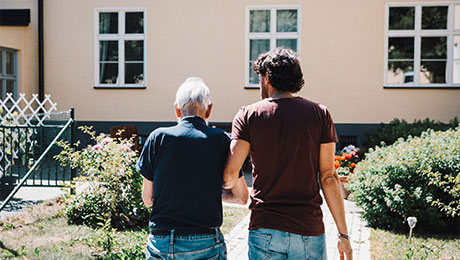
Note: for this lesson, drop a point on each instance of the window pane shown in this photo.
(400, 48)
(286, 21)
(456, 71)
(402, 18)
(1, 62)
(9, 63)
(134, 73)
(259, 21)
(134, 50)
(108, 23)
(10, 86)
(434, 48)
(432, 72)
(258, 47)
(108, 50)
(108, 73)
(434, 17)
(400, 72)
(290, 43)
(253, 76)
(457, 17)
(135, 22)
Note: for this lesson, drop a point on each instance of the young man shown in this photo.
(291, 139)
(182, 168)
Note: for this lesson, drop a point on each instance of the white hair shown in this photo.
(193, 93)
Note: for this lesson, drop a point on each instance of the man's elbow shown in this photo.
(230, 179)
(148, 202)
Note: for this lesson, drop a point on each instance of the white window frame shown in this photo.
(417, 34)
(4, 76)
(272, 35)
(121, 37)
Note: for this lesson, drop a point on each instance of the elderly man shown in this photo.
(291, 139)
(182, 168)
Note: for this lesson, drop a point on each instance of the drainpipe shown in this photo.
(41, 63)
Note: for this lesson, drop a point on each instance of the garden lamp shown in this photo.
(411, 221)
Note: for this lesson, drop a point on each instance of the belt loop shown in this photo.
(171, 242)
(216, 229)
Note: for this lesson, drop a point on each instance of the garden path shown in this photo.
(237, 247)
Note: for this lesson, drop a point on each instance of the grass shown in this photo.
(42, 233)
(387, 245)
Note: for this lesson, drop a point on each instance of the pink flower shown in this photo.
(106, 140)
(97, 147)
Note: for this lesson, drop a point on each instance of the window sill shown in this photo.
(251, 87)
(421, 87)
(119, 87)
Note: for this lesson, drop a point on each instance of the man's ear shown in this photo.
(208, 112)
(177, 109)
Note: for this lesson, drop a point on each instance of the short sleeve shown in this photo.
(145, 165)
(240, 126)
(328, 133)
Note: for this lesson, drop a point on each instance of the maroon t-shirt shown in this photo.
(285, 136)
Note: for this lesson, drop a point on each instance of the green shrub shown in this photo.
(418, 177)
(389, 133)
(115, 186)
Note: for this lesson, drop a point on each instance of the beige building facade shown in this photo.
(122, 61)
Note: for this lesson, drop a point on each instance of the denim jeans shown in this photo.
(265, 243)
(171, 247)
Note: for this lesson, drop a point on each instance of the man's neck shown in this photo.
(281, 94)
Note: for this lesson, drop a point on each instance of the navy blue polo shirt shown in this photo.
(185, 163)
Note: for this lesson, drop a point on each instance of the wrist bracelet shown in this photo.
(343, 236)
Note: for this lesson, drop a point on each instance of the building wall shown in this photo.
(24, 39)
(342, 55)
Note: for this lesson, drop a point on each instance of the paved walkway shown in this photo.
(237, 246)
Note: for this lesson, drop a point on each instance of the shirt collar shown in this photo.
(192, 119)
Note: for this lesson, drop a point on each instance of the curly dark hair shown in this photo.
(283, 67)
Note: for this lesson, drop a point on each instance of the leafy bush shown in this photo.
(114, 191)
(418, 177)
(389, 133)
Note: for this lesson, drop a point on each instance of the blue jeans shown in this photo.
(265, 243)
(171, 247)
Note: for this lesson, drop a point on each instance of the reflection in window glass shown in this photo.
(255, 49)
(108, 23)
(286, 21)
(456, 60)
(290, 43)
(134, 50)
(434, 48)
(9, 63)
(432, 72)
(134, 22)
(109, 73)
(457, 17)
(402, 18)
(134, 73)
(259, 21)
(400, 72)
(108, 50)
(400, 48)
(10, 86)
(434, 17)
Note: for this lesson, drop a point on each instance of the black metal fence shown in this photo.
(27, 154)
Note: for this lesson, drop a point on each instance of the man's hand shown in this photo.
(239, 150)
(239, 194)
(344, 247)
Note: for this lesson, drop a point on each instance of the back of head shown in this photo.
(283, 68)
(193, 94)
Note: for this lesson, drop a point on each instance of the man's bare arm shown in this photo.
(238, 194)
(147, 192)
(332, 193)
(239, 150)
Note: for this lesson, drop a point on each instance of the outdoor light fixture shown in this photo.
(411, 221)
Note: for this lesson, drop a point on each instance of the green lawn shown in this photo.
(387, 245)
(42, 233)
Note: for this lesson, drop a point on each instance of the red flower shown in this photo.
(352, 165)
(348, 156)
(342, 158)
(336, 158)
(337, 164)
